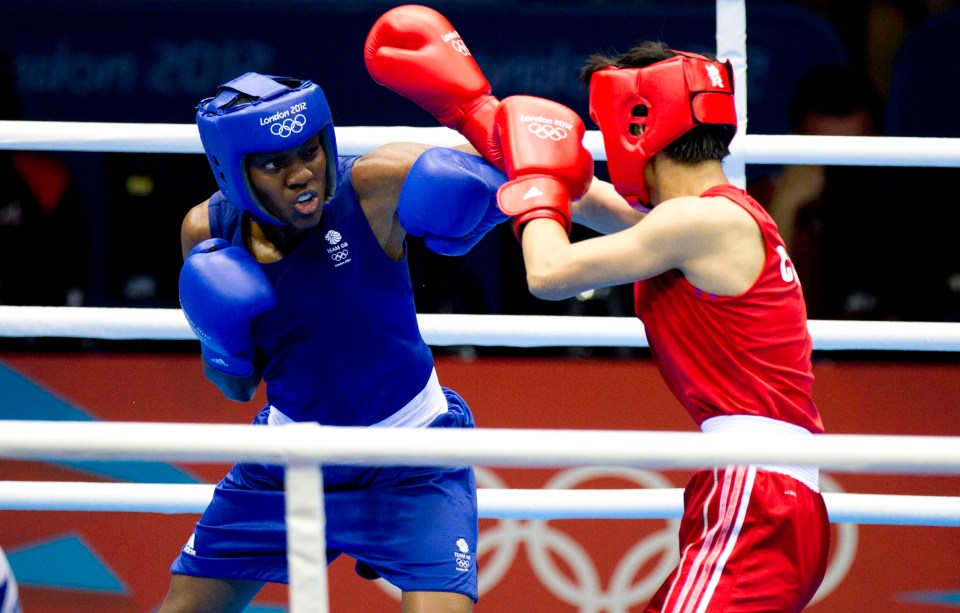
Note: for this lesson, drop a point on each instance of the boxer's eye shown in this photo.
(639, 110)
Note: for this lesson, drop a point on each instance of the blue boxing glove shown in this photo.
(222, 288)
(450, 199)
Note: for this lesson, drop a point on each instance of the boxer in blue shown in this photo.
(295, 274)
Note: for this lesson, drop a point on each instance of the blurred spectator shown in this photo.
(923, 92)
(838, 221)
(886, 24)
(922, 103)
(44, 253)
(873, 30)
(140, 215)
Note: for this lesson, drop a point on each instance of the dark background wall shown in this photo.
(152, 61)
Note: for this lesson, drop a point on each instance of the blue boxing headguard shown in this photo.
(257, 113)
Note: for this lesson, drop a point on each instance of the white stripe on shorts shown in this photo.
(719, 539)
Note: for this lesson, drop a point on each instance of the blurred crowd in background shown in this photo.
(101, 229)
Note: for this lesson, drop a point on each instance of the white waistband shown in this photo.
(418, 413)
(757, 425)
(421, 410)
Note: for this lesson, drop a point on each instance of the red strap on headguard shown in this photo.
(642, 110)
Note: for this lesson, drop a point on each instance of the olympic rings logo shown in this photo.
(291, 125)
(545, 131)
(654, 554)
(339, 256)
(545, 544)
(460, 47)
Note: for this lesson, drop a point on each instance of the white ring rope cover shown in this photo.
(356, 140)
(310, 444)
(480, 330)
(493, 503)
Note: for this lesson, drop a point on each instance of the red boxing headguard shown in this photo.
(642, 110)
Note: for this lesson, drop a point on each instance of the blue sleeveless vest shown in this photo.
(342, 347)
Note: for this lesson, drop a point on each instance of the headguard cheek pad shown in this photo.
(275, 116)
(642, 110)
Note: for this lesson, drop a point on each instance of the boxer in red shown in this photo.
(721, 303)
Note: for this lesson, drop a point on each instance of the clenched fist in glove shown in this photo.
(414, 51)
(545, 160)
(222, 290)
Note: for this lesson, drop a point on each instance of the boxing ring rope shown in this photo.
(480, 330)
(754, 148)
(170, 498)
(485, 330)
(312, 444)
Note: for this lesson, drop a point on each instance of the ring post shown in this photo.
(306, 534)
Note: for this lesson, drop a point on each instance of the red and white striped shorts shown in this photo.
(751, 541)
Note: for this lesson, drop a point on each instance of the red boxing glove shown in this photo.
(414, 51)
(545, 160)
(535, 197)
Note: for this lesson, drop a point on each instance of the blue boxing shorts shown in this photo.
(414, 526)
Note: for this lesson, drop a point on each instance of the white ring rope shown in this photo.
(493, 503)
(309, 443)
(753, 148)
(480, 330)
